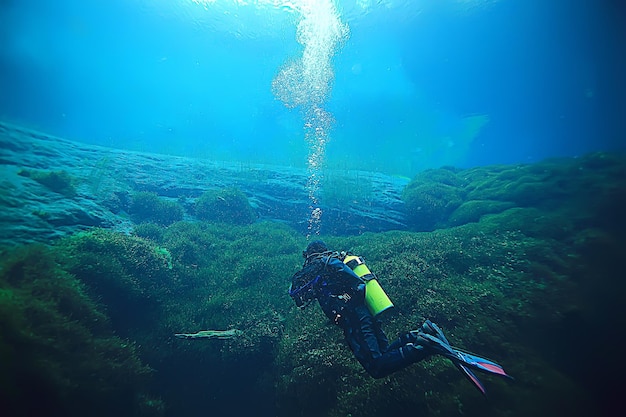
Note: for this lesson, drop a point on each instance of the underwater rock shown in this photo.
(225, 206)
(441, 198)
(51, 187)
(430, 204)
(515, 282)
(58, 181)
(473, 210)
(146, 207)
(97, 184)
(60, 353)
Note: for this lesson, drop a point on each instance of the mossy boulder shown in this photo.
(473, 210)
(445, 175)
(60, 355)
(229, 205)
(488, 288)
(60, 182)
(429, 204)
(544, 185)
(147, 206)
(530, 221)
(131, 275)
(151, 231)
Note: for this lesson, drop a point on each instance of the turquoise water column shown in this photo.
(305, 83)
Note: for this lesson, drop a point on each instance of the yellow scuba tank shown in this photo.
(376, 299)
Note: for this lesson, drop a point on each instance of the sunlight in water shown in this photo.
(304, 82)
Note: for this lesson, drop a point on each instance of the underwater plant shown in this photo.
(150, 231)
(60, 355)
(488, 287)
(431, 197)
(229, 205)
(148, 207)
(127, 273)
(428, 205)
(98, 173)
(60, 182)
(490, 284)
(473, 210)
(341, 189)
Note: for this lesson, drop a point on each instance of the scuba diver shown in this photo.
(351, 297)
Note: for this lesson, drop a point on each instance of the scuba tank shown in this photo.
(376, 299)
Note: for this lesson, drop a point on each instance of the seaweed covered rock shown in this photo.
(59, 353)
(441, 198)
(235, 268)
(147, 206)
(151, 231)
(229, 205)
(129, 274)
(431, 197)
(494, 291)
(472, 210)
(58, 181)
(231, 277)
(500, 287)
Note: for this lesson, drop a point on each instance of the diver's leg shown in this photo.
(360, 332)
(413, 336)
(379, 360)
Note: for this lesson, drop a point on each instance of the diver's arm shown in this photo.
(303, 288)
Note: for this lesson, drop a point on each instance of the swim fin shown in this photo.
(479, 363)
(472, 377)
(433, 337)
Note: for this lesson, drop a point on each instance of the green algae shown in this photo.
(60, 182)
(54, 339)
(533, 284)
(571, 188)
(228, 205)
(490, 285)
(148, 207)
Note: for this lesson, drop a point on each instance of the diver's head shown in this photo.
(315, 247)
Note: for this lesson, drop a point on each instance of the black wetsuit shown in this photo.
(341, 294)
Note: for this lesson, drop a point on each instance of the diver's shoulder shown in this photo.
(323, 262)
(331, 260)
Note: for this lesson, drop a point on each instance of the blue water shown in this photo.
(416, 84)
